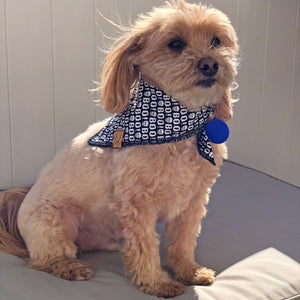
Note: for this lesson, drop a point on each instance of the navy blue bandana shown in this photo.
(153, 117)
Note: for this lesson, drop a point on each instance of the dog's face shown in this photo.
(187, 50)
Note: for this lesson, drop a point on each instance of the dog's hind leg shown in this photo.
(50, 232)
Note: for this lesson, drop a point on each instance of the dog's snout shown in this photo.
(208, 66)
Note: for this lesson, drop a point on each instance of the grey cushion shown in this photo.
(268, 274)
(248, 211)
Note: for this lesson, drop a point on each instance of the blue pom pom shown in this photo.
(217, 131)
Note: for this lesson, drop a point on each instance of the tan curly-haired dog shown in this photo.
(89, 197)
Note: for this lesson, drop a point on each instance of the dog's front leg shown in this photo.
(181, 234)
(141, 250)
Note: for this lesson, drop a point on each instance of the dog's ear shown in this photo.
(119, 74)
(223, 109)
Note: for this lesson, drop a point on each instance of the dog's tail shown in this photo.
(11, 240)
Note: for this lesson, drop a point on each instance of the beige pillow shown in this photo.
(268, 274)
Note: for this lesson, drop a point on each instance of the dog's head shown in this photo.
(187, 50)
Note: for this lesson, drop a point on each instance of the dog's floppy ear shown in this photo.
(119, 74)
(223, 109)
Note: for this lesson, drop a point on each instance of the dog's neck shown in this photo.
(150, 81)
(193, 98)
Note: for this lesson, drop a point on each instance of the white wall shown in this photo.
(49, 57)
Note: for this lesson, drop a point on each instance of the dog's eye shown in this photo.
(176, 45)
(215, 42)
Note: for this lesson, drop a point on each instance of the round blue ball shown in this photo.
(217, 131)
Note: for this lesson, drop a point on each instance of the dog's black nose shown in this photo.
(208, 66)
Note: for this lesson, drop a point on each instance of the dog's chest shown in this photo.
(165, 178)
(181, 181)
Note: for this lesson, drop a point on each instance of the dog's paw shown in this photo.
(165, 289)
(71, 269)
(196, 276)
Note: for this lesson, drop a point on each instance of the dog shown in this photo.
(179, 59)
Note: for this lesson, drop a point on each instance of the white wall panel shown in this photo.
(294, 112)
(29, 46)
(52, 55)
(74, 67)
(6, 179)
(245, 132)
(142, 7)
(276, 122)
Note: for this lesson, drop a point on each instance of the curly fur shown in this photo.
(88, 198)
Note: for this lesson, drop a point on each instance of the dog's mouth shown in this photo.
(207, 83)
